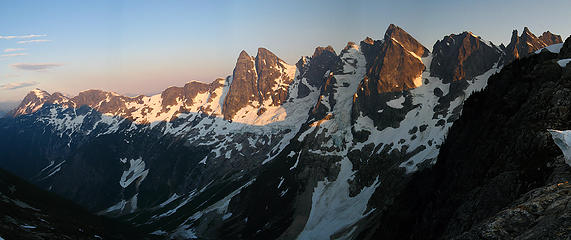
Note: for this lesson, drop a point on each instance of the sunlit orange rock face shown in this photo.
(393, 64)
(522, 46)
(258, 82)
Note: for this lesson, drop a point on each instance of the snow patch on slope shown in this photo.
(396, 103)
(564, 62)
(563, 140)
(331, 207)
(185, 231)
(136, 172)
(555, 48)
(123, 206)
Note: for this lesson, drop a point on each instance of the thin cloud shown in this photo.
(17, 85)
(14, 49)
(35, 66)
(13, 55)
(34, 41)
(8, 76)
(23, 36)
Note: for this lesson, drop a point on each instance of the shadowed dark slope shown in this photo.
(27, 212)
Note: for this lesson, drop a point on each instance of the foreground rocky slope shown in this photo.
(315, 150)
(499, 175)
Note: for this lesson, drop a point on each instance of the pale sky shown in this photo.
(143, 47)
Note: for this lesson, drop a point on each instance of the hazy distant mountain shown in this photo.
(319, 149)
(6, 107)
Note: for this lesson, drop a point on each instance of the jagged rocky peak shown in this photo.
(38, 93)
(320, 50)
(522, 46)
(194, 96)
(549, 38)
(100, 100)
(313, 69)
(394, 64)
(369, 41)
(243, 89)
(350, 45)
(31, 102)
(398, 35)
(462, 56)
(323, 59)
(258, 82)
(323, 52)
(35, 100)
(274, 77)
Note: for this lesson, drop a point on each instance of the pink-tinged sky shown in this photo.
(142, 47)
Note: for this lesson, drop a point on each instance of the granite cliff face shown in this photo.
(258, 83)
(244, 86)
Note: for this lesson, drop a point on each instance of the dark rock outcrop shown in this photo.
(566, 49)
(323, 59)
(542, 213)
(462, 56)
(314, 69)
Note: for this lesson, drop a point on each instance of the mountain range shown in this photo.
(385, 139)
